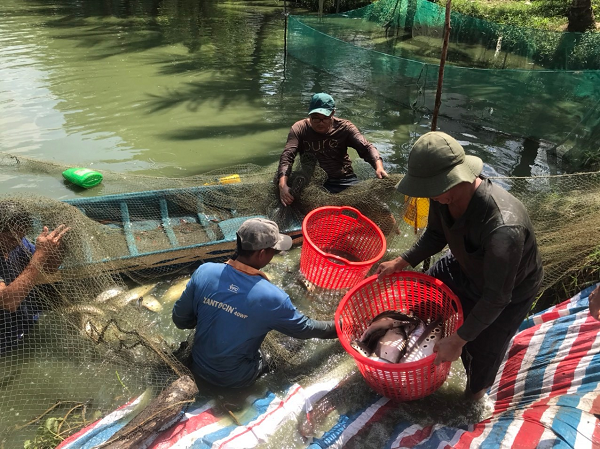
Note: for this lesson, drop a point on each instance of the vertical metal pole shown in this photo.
(285, 26)
(438, 94)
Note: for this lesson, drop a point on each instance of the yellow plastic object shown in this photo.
(229, 179)
(417, 211)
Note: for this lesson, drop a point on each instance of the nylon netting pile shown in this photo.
(100, 332)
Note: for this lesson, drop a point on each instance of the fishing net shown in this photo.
(97, 332)
(520, 81)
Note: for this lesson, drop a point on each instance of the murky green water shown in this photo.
(171, 88)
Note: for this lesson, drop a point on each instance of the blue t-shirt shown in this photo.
(14, 325)
(233, 312)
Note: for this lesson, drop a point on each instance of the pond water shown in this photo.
(171, 88)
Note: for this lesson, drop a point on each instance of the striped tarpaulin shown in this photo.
(546, 392)
(545, 395)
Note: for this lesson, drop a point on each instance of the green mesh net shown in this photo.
(535, 83)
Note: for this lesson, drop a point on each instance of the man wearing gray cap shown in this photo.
(233, 306)
(327, 138)
(493, 266)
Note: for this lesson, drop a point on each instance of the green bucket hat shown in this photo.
(321, 103)
(436, 163)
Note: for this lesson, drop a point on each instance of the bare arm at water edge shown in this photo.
(45, 260)
(379, 170)
(285, 194)
(286, 161)
(448, 349)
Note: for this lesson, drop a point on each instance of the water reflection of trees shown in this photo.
(227, 37)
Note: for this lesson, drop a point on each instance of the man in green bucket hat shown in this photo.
(493, 264)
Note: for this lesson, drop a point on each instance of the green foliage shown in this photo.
(46, 436)
(542, 14)
(330, 6)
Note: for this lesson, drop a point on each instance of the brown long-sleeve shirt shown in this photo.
(494, 243)
(330, 150)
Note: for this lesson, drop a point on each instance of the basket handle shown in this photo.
(337, 259)
(350, 212)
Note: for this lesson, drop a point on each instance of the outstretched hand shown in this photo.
(391, 266)
(381, 173)
(48, 248)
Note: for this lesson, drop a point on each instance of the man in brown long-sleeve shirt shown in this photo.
(327, 138)
(494, 266)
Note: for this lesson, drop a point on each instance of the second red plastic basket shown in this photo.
(427, 297)
(340, 247)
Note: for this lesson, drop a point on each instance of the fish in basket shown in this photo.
(398, 337)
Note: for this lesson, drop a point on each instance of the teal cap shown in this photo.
(321, 103)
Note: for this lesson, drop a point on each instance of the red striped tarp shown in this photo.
(545, 395)
(546, 392)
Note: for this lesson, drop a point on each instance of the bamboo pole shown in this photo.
(438, 93)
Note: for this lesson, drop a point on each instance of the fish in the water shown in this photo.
(84, 309)
(88, 318)
(131, 295)
(175, 290)
(151, 303)
(109, 294)
(386, 336)
(328, 403)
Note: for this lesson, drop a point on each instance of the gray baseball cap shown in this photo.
(258, 233)
(436, 163)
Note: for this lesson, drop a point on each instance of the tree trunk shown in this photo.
(162, 411)
(581, 16)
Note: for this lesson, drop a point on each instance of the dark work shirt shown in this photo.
(494, 243)
(14, 325)
(330, 150)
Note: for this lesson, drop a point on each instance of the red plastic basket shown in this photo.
(427, 297)
(340, 246)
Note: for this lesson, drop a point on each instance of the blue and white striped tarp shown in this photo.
(545, 395)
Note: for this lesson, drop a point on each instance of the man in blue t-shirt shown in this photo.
(22, 267)
(233, 306)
